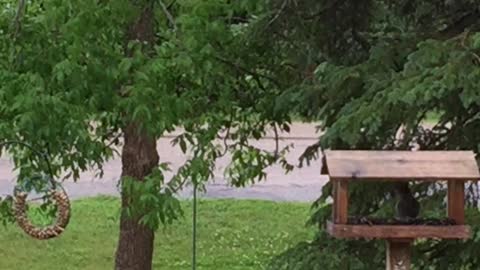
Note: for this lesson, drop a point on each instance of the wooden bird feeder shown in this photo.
(455, 167)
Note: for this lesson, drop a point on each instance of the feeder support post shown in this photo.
(399, 254)
(456, 201)
(340, 201)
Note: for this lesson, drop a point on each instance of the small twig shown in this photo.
(464, 37)
(249, 72)
(225, 144)
(361, 40)
(168, 14)
(325, 10)
(477, 197)
(289, 41)
(171, 4)
(463, 40)
(476, 56)
(180, 183)
(18, 17)
(113, 141)
(277, 15)
(276, 139)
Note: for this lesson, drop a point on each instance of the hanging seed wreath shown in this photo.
(60, 198)
(55, 192)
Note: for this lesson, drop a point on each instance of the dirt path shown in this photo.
(300, 185)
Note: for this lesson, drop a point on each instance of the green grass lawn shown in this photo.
(232, 234)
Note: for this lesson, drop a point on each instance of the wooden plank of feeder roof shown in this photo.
(402, 165)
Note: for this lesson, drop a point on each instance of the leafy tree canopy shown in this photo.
(68, 86)
(81, 77)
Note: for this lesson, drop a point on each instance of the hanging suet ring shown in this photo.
(55, 192)
(59, 197)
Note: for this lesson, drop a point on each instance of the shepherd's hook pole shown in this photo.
(194, 240)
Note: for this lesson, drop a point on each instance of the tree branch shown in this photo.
(279, 12)
(18, 17)
(255, 75)
(461, 24)
(168, 14)
(360, 40)
(326, 9)
(276, 140)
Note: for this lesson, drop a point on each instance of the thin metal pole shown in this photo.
(194, 236)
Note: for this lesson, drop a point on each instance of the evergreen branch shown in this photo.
(361, 40)
(466, 21)
(326, 9)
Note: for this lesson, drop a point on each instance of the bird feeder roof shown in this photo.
(400, 165)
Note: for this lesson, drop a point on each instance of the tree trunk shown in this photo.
(139, 158)
(135, 246)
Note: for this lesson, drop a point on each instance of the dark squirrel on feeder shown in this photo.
(407, 207)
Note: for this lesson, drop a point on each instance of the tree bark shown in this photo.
(139, 158)
(135, 245)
